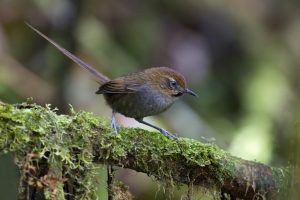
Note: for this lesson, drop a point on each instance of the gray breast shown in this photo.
(142, 103)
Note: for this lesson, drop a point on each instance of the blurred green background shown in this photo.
(241, 57)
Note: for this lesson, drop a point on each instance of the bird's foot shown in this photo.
(166, 133)
(114, 125)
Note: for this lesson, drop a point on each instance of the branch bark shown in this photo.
(54, 150)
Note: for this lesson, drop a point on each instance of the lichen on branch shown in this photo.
(55, 152)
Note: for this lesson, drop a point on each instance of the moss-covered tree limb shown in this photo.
(54, 150)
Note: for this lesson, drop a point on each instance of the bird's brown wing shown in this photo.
(121, 85)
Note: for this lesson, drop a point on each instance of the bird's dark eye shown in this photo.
(173, 84)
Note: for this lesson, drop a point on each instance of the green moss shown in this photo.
(70, 146)
(67, 139)
(31, 129)
(281, 181)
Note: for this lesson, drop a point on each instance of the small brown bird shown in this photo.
(139, 94)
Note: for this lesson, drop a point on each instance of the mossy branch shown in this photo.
(54, 151)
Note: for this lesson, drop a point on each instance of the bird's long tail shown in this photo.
(77, 60)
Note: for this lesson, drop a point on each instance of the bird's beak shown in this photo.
(188, 91)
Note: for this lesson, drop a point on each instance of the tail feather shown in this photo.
(77, 60)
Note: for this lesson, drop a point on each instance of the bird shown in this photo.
(136, 95)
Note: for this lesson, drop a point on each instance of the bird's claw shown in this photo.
(166, 133)
(114, 124)
(115, 127)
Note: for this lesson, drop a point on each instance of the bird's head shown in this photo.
(170, 82)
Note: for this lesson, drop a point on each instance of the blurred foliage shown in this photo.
(241, 57)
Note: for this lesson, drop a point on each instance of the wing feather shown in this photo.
(121, 85)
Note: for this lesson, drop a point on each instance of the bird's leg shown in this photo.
(163, 131)
(113, 121)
